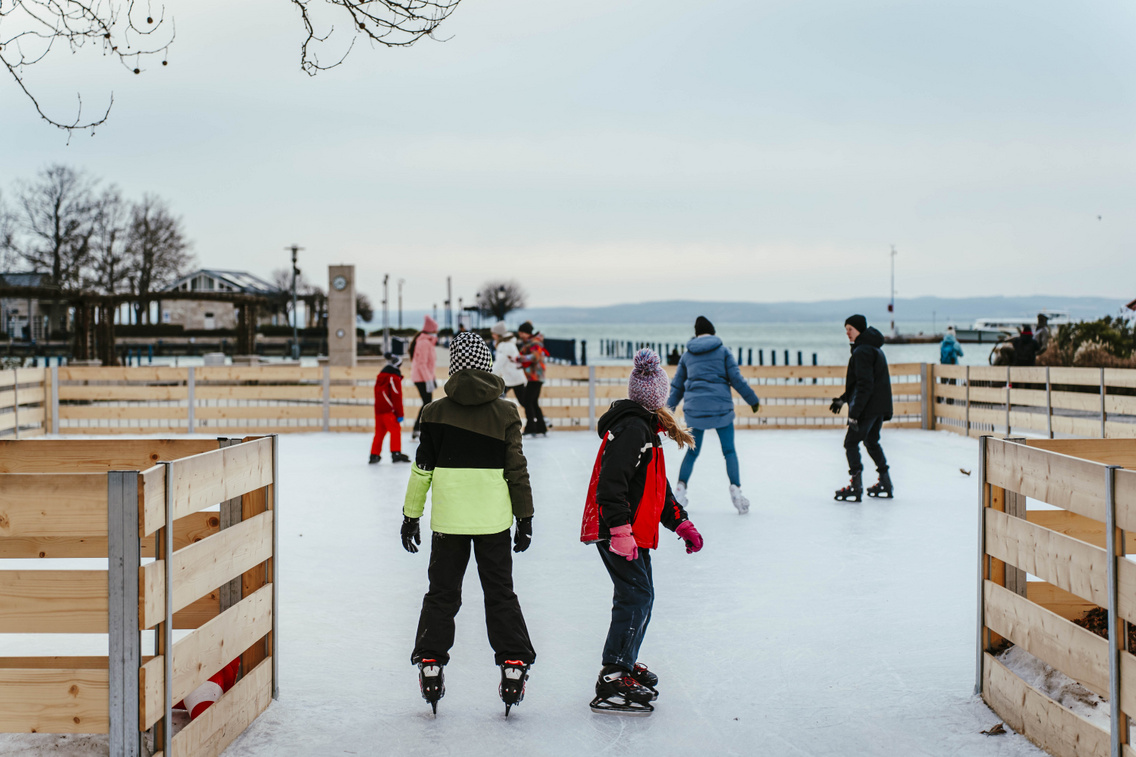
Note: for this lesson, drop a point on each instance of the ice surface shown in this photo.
(807, 627)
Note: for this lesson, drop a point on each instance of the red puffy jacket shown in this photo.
(388, 391)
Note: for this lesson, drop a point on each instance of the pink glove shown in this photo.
(690, 535)
(623, 543)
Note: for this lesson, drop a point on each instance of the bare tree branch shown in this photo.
(499, 298)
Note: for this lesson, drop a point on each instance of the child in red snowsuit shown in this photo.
(388, 411)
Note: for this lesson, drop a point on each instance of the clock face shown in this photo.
(339, 282)
(339, 333)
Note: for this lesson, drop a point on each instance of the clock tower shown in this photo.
(341, 315)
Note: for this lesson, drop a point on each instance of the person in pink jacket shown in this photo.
(423, 358)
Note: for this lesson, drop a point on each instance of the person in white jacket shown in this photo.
(506, 364)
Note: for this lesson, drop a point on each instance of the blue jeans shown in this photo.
(726, 439)
(630, 607)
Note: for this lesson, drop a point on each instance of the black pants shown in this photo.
(868, 432)
(427, 398)
(534, 420)
(449, 555)
(632, 600)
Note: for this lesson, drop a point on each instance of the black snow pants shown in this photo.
(868, 432)
(449, 556)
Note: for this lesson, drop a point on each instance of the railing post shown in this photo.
(1007, 400)
(966, 422)
(1116, 635)
(983, 498)
(928, 408)
(125, 650)
(327, 398)
(189, 386)
(1048, 404)
(592, 397)
(275, 647)
(1104, 413)
(55, 399)
(16, 399)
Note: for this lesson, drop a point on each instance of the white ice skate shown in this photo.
(680, 493)
(739, 499)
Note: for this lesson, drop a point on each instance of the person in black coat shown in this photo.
(1025, 348)
(868, 397)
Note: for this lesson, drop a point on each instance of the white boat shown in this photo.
(992, 330)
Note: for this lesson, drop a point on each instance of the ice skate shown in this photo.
(374, 459)
(851, 492)
(514, 674)
(646, 679)
(679, 492)
(431, 682)
(618, 693)
(882, 489)
(399, 457)
(739, 500)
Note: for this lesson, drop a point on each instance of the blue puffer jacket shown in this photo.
(949, 350)
(702, 383)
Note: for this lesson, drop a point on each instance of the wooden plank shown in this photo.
(956, 372)
(1120, 452)
(367, 412)
(210, 478)
(274, 374)
(122, 412)
(1057, 600)
(1061, 480)
(1125, 497)
(65, 504)
(1114, 404)
(953, 412)
(95, 455)
(1070, 524)
(1080, 401)
(122, 374)
(1055, 729)
(26, 396)
(1020, 420)
(951, 391)
(1027, 397)
(1113, 429)
(343, 392)
(199, 612)
(283, 392)
(255, 504)
(205, 651)
(1088, 427)
(63, 700)
(994, 373)
(125, 427)
(1125, 377)
(53, 601)
(992, 395)
(53, 663)
(202, 567)
(218, 726)
(1061, 560)
(784, 371)
(108, 392)
(280, 412)
(1075, 651)
(1081, 376)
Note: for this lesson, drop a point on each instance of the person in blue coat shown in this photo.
(949, 349)
(702, 383)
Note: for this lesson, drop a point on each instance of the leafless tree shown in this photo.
(157, 248)
(110, 254)
(499, 298)
(7, 236)
(54, 221)
(363, 307)
(134, 35)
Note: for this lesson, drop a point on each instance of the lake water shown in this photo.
(826, 340)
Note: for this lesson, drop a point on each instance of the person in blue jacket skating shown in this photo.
(702, 383)
(949, 349)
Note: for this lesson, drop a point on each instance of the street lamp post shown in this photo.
(295, 314)
(386, 314)
(400, 283)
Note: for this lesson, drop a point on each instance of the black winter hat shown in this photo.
(858, 322)
(526, 328)
(702, 326)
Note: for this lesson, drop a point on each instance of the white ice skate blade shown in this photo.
(603, 707)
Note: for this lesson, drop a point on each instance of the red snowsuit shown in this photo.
(388, 409)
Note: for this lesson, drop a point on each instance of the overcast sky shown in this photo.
(604, 152)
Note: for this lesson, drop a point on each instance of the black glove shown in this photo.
(755, 406)
(853, 424)
(837, 405)
(523, 537)
(411, 535)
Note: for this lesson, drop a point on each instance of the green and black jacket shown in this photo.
(470, 456)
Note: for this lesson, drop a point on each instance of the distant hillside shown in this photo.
(960, 310)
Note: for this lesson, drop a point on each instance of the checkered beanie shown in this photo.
(468, 350)
(648, 384)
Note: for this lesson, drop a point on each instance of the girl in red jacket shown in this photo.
(628, 498)
(388, 411)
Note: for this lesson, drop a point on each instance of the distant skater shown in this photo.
(1025, 348)
(1041, 333)
(532, 355)
(868, 396)
(506, 363)
(702, 382)
(628, 498)
(388, 411)
(470, 457)
(423, 364)
(949, 349)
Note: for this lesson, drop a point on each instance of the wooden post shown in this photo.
(983, 562)
(327, 398)
(1117, 627)
(1007, 400)
(1104, 413)
(966, 422)
(1048, 404)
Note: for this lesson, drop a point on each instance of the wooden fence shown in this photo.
(171, 564)
(23, 399)
(1084, 402)
(1077, 554)
(265, 399)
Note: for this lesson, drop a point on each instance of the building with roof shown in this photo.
(26, 318)
(194, 314)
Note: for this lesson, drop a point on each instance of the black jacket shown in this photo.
(623, 470)
(1025, 350)
(868, 383)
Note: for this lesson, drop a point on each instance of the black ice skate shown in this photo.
(883, 488)
(398, 457)
(374, 459)
(514, 673)
(618, 693)
(646, 679)
(431, 682)
(851, 492)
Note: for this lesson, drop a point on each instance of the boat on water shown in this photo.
(993, 330)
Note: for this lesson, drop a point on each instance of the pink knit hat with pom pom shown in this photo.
(648, 384)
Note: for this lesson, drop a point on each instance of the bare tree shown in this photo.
(157, 247)
(31, 29)
(110, 255)
(363, 307)
(499, 298)
(54, 223)
(7, 236)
